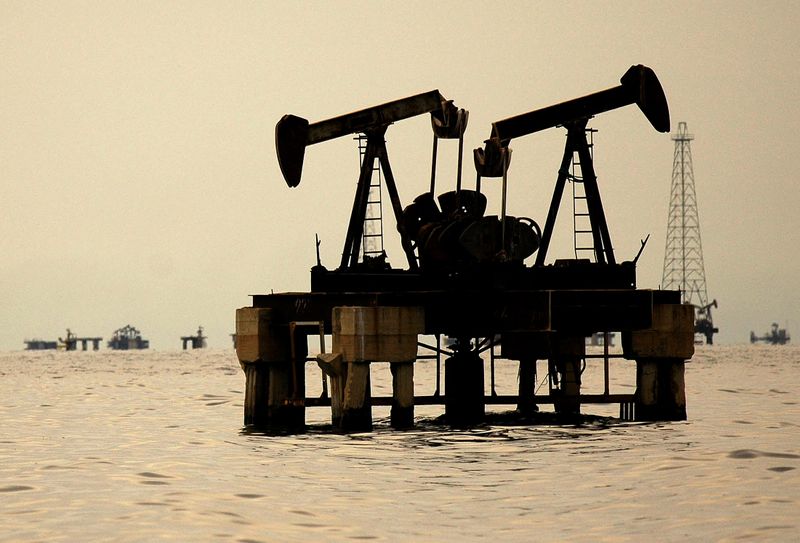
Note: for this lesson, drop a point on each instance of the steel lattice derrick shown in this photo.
(683, 257)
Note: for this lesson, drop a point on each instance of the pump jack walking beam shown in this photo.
(293, 134)
(639, 85)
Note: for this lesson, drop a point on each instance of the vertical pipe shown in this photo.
(433, 164)
(322, 351)
(503, 208)
(293, 355)
(460, 160)
(605, 363)
(491, 366)
(438, 365)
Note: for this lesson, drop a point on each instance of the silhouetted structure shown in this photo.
(776, 336)
(683, 257)
(466, 279)
(39, 345)
(197, 341)
(70, 343)
(127, 338)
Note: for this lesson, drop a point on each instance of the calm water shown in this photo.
(114, 446)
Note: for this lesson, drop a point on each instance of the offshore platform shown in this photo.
(684, 269)
(776, 336)
(466, 278)
(127, 338)
(68, 343)
(197, 341)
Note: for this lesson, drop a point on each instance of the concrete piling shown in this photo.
(272, 350)
(357, 399)
(661, 392)
(568, 352)
(660, 353)
(371, 334)
(528, 348)
(526, 402)
(335, 369)
(402, 414)
(274, 379)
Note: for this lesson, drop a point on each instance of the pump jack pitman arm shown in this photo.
(293, 134)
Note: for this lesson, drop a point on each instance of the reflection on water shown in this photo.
(147, 446)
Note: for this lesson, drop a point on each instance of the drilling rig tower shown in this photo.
(683, 256)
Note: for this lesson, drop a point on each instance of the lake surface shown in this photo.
(149, 446)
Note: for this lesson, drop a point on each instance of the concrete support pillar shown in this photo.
(566, 357)
(357, 400)
(274, 380)
(336, 370)
(351, 405)
(268, 402)
(661, 390)
(464, 401)
(372, 334)
(660, 353)
(526, 400)
(527, 347)
(402, 414)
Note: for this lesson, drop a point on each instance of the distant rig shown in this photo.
(197, 341)
(683, 256)
(776, 336)
(126, 338)
(69, 343)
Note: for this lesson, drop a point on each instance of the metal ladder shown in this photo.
(372, 238)
(583, 241)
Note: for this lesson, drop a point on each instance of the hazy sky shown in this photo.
(139, 182)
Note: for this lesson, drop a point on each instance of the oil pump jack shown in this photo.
(293, 134)
(467, 279)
